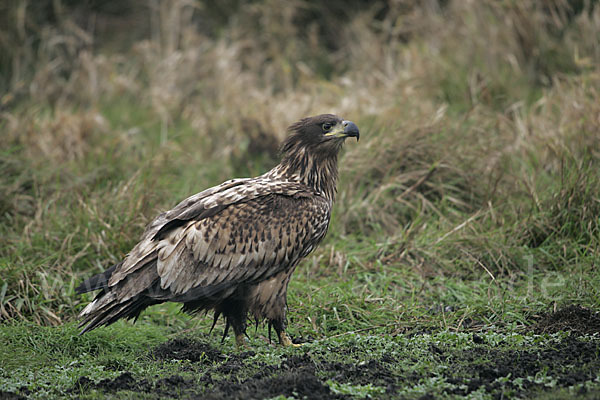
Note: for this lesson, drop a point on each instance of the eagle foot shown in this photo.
(285, 340)
(240, 341)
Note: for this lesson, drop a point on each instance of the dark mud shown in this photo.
(187, 349)
(568, 362)
(166, 387)
(10, 396)
(576, 319)
(496, 370)
(295, 377)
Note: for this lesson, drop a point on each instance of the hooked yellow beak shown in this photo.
(345, 129)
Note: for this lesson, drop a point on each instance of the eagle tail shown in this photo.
(107, 307)
(114, 311)
(99, 281)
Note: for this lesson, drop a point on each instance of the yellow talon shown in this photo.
(240, 341)
(285, 340)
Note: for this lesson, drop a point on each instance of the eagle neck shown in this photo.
(316, 171)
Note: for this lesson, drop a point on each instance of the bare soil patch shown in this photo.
(10, 396)
(568, 362)
(187, 349)
(497, 370)
(575, 319)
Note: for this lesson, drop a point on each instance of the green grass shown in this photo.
(470, 206)
(431, 363)
(351, 316)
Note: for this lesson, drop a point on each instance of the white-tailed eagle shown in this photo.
(232, 248)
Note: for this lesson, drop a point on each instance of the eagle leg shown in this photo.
(235, 311)
(239, 328)
(240, 341)
(240, 338)
(270, 326)
(284, 338)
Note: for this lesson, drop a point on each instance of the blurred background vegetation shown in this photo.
(480, 119)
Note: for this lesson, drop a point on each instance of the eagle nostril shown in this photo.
(350, 129)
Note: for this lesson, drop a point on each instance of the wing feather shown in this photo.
(230, 260)
(242, 231)
(198, 207)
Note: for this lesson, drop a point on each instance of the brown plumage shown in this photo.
(232, 248)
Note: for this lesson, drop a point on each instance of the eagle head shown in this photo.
(309, 154)
(322, 134)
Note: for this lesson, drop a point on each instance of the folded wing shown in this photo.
(241, 232)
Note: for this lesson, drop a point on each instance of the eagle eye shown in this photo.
(327, 126)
